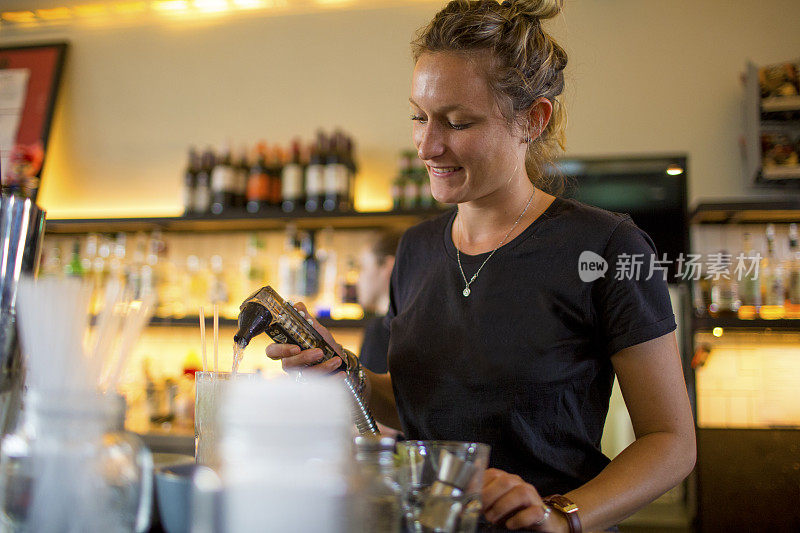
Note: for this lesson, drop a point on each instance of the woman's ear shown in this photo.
(538, 118)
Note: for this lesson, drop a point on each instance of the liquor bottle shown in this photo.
(133, 271)
(199, 283)
(202, 194)
(326, 255)
(350, 283)
(411, 186)
(315, 174)
(218, 287)
(772, 285)
(274, 170)
(243, 174)
(352, 167)
(116, 262)
(749, 281)
(292, 186)
(190, 181)
(223, 183)
(724, 292)
(258, 184)
(337, 195)
(290, 264)
(399, 183)
(310, 269)
(792, 306)
(420, 174)
(75, 266)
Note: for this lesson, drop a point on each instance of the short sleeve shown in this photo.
(629, 308)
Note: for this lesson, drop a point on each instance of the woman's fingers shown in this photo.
(322, 330)
(508, 499)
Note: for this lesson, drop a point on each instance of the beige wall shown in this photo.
(645, 77)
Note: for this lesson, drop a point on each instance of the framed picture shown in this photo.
(29, 81)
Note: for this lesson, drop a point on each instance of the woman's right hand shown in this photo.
(293, 359)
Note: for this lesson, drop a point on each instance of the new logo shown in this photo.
(591, 266)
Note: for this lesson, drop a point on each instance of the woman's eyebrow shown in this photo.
(445, 109)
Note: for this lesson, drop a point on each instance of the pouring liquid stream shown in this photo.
(238, 353)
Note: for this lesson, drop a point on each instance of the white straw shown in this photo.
(216, 337)
(130, 334)
(203, 338)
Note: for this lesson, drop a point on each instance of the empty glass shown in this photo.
(440, 484)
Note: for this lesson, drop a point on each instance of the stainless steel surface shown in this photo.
(21, 232)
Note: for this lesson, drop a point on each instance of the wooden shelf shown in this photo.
(193, 321)
(761, 211)
(709, 323)
(240, 220)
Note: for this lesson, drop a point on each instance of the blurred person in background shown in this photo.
(376, 262)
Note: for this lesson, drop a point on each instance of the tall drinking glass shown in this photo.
(209, 388)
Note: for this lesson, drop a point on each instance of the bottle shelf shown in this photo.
(762, 211)
(241, 220)
(709, 323)
(193, 321)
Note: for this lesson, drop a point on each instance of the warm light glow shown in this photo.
(329, 3)
(56, 13)
(127, 8)
(249, 4)
(211, 6)
(674, 170)
(347, 312)
(171, 6)
(90, 10)
(717, 332)
(19, 16)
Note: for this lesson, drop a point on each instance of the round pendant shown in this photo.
(466, 292)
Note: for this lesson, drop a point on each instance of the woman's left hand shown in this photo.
(511, 502)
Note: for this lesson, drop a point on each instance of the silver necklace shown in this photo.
(466, 290)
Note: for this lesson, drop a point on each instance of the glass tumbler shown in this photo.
(440, 484)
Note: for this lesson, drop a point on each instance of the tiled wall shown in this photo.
(749, 381)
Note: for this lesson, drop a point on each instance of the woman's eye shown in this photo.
(459, 126)
(417, 118)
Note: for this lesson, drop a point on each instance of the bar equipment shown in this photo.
(21, 231)
(266, 311)
(440, 484)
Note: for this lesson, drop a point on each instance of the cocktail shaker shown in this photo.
(21, 232)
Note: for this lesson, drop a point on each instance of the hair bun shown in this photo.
(539, 9)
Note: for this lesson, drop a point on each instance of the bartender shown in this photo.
(508, 317)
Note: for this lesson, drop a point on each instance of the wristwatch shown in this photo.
(567, 507)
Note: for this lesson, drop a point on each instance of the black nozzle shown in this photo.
(253, 320)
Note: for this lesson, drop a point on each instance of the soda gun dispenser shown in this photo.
(266, 312)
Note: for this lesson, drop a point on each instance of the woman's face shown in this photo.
(459, 131)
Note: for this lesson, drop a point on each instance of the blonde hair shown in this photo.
(525, 64)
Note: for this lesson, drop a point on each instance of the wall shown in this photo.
(645, 77)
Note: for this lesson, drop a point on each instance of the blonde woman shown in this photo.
(494, 336)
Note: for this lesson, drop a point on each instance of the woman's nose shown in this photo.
(430, 143)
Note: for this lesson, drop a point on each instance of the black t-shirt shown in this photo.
(375, 346)
(523, 363)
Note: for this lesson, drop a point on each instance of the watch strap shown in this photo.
(567, 507)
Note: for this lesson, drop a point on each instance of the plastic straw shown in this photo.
(203, 338)
(134, 324)
(216, 337)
